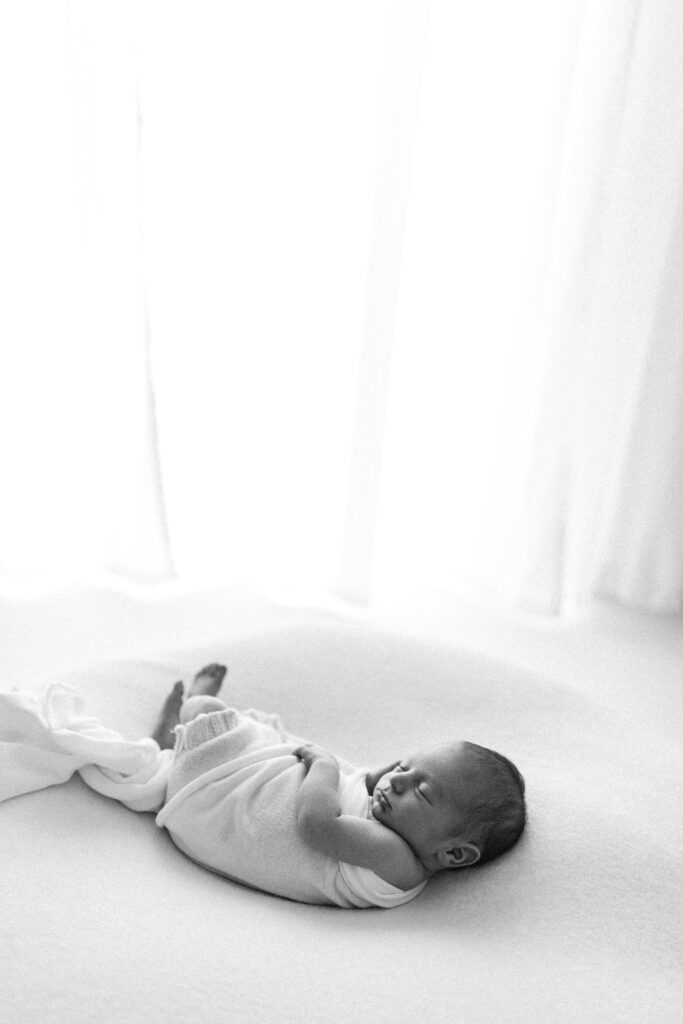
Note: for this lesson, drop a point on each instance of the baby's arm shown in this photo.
(343, 837)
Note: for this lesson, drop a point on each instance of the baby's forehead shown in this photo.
(443, 758)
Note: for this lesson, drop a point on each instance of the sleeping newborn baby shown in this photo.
(248, 800)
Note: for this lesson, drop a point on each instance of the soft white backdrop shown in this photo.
(360, 299)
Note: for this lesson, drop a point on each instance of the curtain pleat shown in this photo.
(603, 508)
(78, 492)
(407, 27)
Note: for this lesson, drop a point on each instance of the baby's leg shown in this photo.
(170, 717)
(201, 699)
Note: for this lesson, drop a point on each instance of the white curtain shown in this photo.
(79, 490)
(604, 509)
(546, 346)
(260, 175)
(366, 298)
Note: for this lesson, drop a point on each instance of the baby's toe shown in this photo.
(214, 670)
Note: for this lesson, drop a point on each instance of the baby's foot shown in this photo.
(208, 680)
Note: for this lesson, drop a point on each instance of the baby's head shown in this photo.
(456, 804)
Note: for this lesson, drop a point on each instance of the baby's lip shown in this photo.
(384, 799)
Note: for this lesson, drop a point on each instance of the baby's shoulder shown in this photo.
(399, 865)
(404, 872)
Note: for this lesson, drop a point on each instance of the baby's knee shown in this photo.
(201, 704)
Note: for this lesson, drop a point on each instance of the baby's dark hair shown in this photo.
(496, 818)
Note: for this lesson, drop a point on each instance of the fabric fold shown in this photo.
(43, 741)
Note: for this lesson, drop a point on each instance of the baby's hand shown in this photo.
(308, 753)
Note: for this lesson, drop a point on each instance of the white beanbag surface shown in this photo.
(103, 919)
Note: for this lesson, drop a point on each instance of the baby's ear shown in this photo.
(459, 855)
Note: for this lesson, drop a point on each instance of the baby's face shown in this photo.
(423, 798)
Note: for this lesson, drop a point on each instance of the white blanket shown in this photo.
(43, 742)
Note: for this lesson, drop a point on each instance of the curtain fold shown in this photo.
(603, 508)
(404, 55)
(260, 178)
(78, 491)
(467, 377)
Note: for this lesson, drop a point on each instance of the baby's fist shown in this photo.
(309, 752)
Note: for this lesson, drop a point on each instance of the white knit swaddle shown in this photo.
(232, 808)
